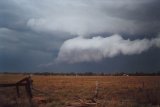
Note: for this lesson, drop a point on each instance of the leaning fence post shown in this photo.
(29, 90)
(29, 87)
(27, 82)
(17, 88)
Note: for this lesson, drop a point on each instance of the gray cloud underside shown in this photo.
(80, 49)
(23, 51)
(86, 17)
(32, 31)
(82, 17)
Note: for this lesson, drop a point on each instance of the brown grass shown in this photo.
(113, 91)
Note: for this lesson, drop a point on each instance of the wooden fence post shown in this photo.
(27, 83)
(17, 88)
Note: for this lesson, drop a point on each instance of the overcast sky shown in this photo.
(79, 35)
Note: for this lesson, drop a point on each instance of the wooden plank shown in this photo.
(27, 83)
(12, 85)
(17, 89)
(23, 80)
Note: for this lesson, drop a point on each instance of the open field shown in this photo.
(64, 91)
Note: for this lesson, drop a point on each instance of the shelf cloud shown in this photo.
(37, 32)
(82, 49)
(88, 17)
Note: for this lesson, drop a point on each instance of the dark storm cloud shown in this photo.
(33, 31)
(87, 17)
(27, 40)
(144, 10)
(12, 15)
(146, 62)
(24, 51)
(145, 14)
(83, 17)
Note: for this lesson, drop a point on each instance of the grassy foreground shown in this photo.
(63, 91)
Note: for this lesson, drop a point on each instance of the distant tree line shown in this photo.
(87, 73)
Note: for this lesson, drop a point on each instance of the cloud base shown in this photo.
(82, 49)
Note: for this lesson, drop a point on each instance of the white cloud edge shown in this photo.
(80, 49)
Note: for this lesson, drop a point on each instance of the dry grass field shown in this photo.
(67, 91)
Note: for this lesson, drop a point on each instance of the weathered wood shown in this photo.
(17, 89)
(23, 80)
(12, 85)
(27, 83)
(28, 88)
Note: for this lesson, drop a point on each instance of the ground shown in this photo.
(66, 91)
